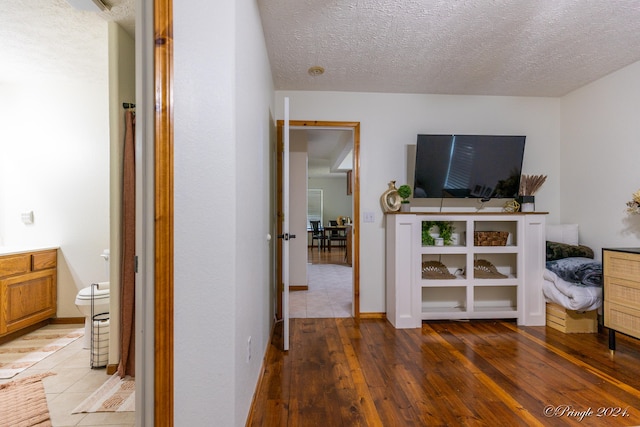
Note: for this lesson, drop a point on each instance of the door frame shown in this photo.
(161, 219)
(355, 127)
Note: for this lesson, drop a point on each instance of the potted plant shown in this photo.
(444, 231)
(405, 192)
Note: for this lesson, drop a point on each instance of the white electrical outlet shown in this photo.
(248, 349)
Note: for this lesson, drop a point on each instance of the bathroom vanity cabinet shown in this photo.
(27, 288)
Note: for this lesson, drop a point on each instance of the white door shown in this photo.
(285, 227)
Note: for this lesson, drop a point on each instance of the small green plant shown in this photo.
(445, 229)
(405, 192)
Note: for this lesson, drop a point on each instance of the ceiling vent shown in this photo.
(89, 5)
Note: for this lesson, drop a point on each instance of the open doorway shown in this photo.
(327, 290)
(330, 287)
(352, 239)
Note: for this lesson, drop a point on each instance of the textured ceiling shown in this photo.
(483, 47)
(50, 40)
(477, 47)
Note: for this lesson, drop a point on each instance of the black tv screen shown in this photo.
(480, 166)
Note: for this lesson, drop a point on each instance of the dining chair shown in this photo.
(337, 234)
(317, 234)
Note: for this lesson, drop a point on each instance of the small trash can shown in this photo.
(100, 341)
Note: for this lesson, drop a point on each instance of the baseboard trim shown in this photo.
(299, 288)
(68, 320)
(373, 315)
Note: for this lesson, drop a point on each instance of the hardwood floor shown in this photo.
(335, 256)
(343, 372)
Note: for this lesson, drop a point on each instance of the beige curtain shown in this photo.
(127, 278)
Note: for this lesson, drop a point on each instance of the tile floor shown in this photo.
(329, 295)
(74, 381)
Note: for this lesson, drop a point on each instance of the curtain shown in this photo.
(127, 275)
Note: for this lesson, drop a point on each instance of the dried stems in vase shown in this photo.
(530, 184)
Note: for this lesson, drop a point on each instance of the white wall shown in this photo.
(223, 294)
(390, 122)
(54, 145)
(600, 153)
(336, 201)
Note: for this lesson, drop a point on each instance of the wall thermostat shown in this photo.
(27, 217)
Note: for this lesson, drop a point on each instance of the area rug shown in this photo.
(23, 402)
(29, 349)
(115, 395)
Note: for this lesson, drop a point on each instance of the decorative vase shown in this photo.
(405, 207)
(390, 199)
(527, 203)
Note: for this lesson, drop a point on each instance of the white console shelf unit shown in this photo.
(517, 294)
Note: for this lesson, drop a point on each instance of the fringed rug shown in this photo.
(115, 395)
(23, 402)
(29, 349)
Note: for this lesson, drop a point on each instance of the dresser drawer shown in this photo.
(15, 264)
(622, 292)
(43, 260)
(621, 265)
(622, 319)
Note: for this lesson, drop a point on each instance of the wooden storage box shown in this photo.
(571, 321)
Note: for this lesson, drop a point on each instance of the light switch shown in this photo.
(368, 217)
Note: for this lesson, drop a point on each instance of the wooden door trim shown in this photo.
(163, 215)
(355, 127)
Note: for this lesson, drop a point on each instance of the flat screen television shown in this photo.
(468, 166)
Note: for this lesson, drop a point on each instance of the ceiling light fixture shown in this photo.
(89, 5)
(316, 71)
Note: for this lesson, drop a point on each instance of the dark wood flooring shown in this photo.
(343, 372)
(335, 256)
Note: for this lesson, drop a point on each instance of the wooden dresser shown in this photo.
(621, 271)
(28, 291)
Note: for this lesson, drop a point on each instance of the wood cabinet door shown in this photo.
(27, 299)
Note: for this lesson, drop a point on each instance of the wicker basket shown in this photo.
(435, 270)
(490, 238)
(483, 269)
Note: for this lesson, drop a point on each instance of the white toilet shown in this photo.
(99, 292)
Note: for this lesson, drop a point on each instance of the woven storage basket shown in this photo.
(435, 270)
(483, 269)
(490, 238)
